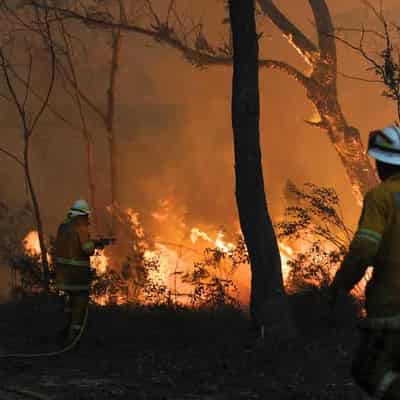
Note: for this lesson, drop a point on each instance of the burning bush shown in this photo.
(210, 289)
(19, 247)
(314, 228)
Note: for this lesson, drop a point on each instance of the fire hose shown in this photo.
(25, 393)
(100, 243)
(67, 348)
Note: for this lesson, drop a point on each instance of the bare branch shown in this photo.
(52, 73)
(171, 6)
(357, 78)
(152, 12)
(5, 68)
(74, 81)
(82, 95)
(358, 30)
(12, 156)
(41, 99)
(28, 79)
(359, 48)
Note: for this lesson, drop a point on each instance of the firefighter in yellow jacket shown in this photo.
(73, 249)
(376, 366)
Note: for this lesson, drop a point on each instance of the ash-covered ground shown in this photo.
(160, 354)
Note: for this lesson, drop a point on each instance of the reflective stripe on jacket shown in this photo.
(71, 261)
(376, 243)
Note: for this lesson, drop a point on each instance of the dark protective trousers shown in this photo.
(75, 282)
(376, 365)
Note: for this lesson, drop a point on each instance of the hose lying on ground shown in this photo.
(69, 347)
(27, 393)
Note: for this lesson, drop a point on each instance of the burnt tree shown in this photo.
(321, 88)
(268, 303)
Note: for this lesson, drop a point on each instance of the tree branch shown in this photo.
(197, 57)
(290, 70)
(358, 78)
(324, 25)
(49, 40)
(12, 156)
(307, 49)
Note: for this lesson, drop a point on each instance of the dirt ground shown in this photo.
(162, 354)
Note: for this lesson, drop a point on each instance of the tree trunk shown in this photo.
(345, 138)
(36, 209)
(268, 303)
(91, 178)
(116, 43)
(87, 136)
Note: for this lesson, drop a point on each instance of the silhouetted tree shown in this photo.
(268, 303)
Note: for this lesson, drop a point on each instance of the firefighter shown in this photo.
(73, 248)
(376, 365)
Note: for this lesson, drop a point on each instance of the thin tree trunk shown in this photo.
(36, 209)
(90, 174)
(268, 303)
(116, 45)
(85, 132)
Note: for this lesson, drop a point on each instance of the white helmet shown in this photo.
(384, 145)
(80, 207)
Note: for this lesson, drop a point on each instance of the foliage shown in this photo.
(132, 285)
(25, 268)
(313, 226)
(210, 290)
(14, 224)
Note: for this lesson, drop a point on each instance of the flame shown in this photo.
(167, 264)
(100, 262)
(196, 233)
(162, 214)
(308, 57)
(174, 261)
(223, 246)
(31, 244)
(219, 243)
(286, 252)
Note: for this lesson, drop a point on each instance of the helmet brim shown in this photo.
(385, 156)
(75, 213)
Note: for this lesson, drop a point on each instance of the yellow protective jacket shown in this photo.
(73, 249)
(376, 243)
